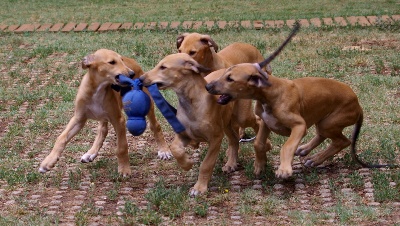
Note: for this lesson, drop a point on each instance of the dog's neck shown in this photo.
(271, 95)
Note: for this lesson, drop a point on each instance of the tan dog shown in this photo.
(198, 111)
(289, 107)
(205, 51)
(97, 100)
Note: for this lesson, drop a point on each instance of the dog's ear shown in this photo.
(180, 38)
(209, 41)
(196, 67)
(87, 61)
(258, 80)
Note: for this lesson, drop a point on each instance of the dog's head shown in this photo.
(105, 65)
(241, 81)
(172, 71)
(196, 45)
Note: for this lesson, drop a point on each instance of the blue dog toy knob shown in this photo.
(136, 105)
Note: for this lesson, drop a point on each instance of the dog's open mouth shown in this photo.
(224, 99)
(160, 85)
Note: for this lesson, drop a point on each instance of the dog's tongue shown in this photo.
(224, 99)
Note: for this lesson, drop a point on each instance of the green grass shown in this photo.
(54, 59)
(48, 11)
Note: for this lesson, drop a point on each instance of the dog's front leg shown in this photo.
(74, 125)
(231, 132)
(163, 149)
(122, 146)
(206, 167)
(261, 146)
(179, 153)
(288, 150)
(102, 131)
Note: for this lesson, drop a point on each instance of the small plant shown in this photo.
(74, 178)
(356, 180)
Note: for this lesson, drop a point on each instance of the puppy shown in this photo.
(97, 100)
(198, 111)
(204, 50)
(289, 107)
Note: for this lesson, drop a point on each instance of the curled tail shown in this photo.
(354, 155)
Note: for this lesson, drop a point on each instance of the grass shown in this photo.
(40, 73)
(145, 11)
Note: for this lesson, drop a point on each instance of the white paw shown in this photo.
(164, 155)
(43, 170)
(88, 157)
(193, 192)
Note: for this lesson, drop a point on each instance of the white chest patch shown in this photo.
(95, 107)
(272, 122)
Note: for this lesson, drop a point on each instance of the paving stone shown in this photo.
(114, 26)
(372, 19)
(27, 28)
(150, 26)
(386, 18)
(290, 23)
(56, 27)
(396, 17)
(234, 24)
(279, 23)
(340, 21)
(373, 204)
(174, 24)
(68, 27)
(257, 187)
(304, 23)
(12, 27)
(126, 26)
(94, 26)
(358, 20)
(104, 27)
(316, 22)
(209, 24)
(80, 27)
(163, 25)
(327, 21)
(222, 24)
(187, 24)
(3, 27)
(258, 24)
(197, 24)
(246, 23)
(269, 24)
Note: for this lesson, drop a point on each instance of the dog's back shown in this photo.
(238, 52)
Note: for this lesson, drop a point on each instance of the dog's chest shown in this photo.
(95, 105)
(273, 123)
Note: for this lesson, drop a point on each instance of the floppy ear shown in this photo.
(196, 67)
(209, 41)
(258, 80)
(180, 38)
(87, 61)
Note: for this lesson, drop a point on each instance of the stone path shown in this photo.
(256, 24)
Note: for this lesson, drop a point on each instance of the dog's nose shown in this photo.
(209, 87)
(131, 74)
(142, 78)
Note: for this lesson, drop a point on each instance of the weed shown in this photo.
(74, 178)
(356, 180)
(383, 190)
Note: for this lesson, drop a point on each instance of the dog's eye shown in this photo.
(112, 62)
(229, 79)
(162, 67)
(191, 53)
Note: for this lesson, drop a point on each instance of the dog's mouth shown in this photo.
(161, 85)
(224, 99)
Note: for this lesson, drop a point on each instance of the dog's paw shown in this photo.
(164, 155)
(198, 189)
(88, 157)
(230, 168)
(309, 163)
(43, 169)
(301, 152)
(124, 171)
(258, 169)
(284, 173)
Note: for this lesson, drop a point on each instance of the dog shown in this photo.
(290, 107)
(97, 100)
(204, 50)
(204, 119)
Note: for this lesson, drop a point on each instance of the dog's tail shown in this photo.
(355, 157)
(295, 29)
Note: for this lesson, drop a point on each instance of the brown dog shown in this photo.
(289, 107)
(198, 111)
(205, 51)
(97, 100)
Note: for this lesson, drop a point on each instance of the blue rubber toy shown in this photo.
(137, 104)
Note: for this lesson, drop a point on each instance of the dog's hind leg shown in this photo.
(305, 149)
(74, 126)
(102, 131)
(163, 149)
